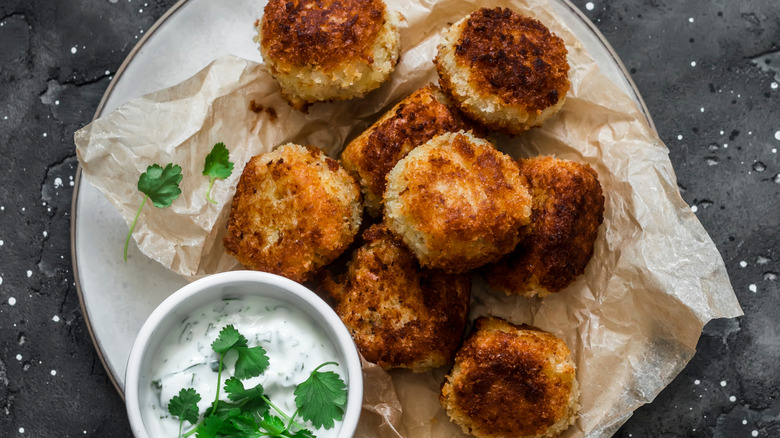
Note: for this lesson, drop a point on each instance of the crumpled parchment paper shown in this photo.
(632, 321)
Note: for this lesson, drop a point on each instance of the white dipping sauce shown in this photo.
(294, 345)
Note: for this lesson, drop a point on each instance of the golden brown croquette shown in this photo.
(412, 122)
(568, 208)
(321, 50)
(511, 381)
(457, 202)
(400, 316)
(504, 70)
(294, 211)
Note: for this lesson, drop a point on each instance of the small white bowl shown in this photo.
(231, 285)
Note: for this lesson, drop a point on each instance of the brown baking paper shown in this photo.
(632, 321)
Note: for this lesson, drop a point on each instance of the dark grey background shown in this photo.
(720, 118)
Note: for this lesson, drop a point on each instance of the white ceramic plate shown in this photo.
(117, 297)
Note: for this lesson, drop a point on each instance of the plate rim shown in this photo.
(129, 58)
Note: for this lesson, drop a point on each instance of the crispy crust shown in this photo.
(321, 32)
(505, 70)
(511, 381)
(412, 122)
(457, 202)
(325, 50)
(568, 208)
(400, 316)
(294, 211)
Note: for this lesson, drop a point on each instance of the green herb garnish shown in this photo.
(322, 397)
(217, 165)
(247, 411)
(185, 406)
(161, 186)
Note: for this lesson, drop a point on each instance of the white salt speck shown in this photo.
(732, 399)
(53, 372)
(721, 132)
(702, 109)
(743, 264)
(777, 135)
(56, 102)
(694, 208)
(722, 383)
(45, 233)
(2, 243)
(29, 273)
(12, 301)
(697, 382)
(774, 150)
(73, 50)
(753, 288)
(725, 145)
(24, 208)
(19, 357)
(589, 6)
(774, 85)
(744, 421)
(57, 182)
(71, 183)
(679, 137)
(690, 20)
(693, 63)
(55, 318)
(108, 72)
(21, 430)
(2, 207)
(754, 433)
(140, 11)
(45, 135)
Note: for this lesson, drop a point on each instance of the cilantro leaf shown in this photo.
(185, 406)
(228, 339)
(210, 427)
(161, 186)
(273, 424)
(250, 401)
(321, 398)
(303, 433)
(246, 426)
(251, 362)
(217, 165)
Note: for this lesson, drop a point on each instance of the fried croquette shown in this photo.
(322, 50)
(412, 122)
(400, 316)
(294, 211)
(511, 381)
(504, 70)
(457, 202)
(567, 210)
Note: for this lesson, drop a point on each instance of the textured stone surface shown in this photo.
(709, 73)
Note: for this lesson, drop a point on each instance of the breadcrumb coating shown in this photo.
(412, 122)
(511, 381)
(321, 50)
(504, 70)
(568, 208)
(294, 211)
(457, 202)
(400, 315)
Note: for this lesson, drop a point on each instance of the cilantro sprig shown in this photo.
(159, 184)
(247, 412)
(217, 166)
